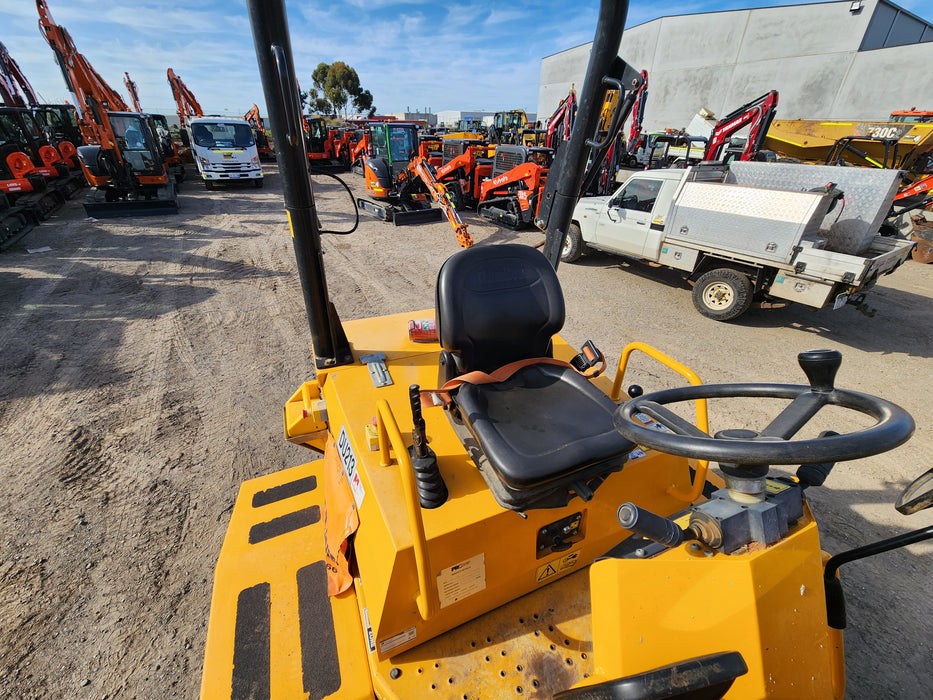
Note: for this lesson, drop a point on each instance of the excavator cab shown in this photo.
(138, 143)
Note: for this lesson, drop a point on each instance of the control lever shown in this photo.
(654, 527)
(432, 491)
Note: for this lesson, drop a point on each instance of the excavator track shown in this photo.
(504, 211)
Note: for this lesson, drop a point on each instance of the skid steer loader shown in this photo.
(487, 521)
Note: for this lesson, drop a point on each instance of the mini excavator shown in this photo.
(124, 156)
(518, 531)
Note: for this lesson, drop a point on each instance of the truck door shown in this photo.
(625, 223)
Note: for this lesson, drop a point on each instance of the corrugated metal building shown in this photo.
(857, 59)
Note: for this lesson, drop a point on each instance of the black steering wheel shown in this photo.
(773, 445)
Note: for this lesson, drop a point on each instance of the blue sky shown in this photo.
(446, 55)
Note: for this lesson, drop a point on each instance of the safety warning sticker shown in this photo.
(461, 580)
(557, 566)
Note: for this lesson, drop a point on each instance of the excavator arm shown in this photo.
(560, 123)
(131, 88)
(187, 103)
(419, 166)
(12, 76)
(757, 115)
(638, 113)
(253, 117)
(93, 97)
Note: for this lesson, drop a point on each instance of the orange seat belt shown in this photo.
(441, 397)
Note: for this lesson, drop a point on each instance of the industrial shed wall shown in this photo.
(722, 60)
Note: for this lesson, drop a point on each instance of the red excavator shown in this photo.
(259, 134)
(757, 115)
(125, 160)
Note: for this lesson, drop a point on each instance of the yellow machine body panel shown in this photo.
(812, 140)
(273, 631)
(691, 600)
(496, 591)
(481, 554)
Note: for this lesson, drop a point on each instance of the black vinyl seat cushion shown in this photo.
(543, 424)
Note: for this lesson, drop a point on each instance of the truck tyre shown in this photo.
(723, 294)
(208, 184)
(573, 245)
(257, 183)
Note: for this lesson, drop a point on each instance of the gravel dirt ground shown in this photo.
(145, 362)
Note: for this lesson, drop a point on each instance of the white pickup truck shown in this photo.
(750, 232)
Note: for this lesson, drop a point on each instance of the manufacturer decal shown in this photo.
(461, 580)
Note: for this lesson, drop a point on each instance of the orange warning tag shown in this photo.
(341, 520)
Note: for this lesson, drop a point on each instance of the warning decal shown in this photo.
(557, 566)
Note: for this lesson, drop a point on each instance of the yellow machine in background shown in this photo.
(484, 519)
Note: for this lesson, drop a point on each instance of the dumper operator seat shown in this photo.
(545, 434)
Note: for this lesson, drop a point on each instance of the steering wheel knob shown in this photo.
(820, 366)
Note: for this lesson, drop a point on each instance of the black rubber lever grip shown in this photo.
(653, 527)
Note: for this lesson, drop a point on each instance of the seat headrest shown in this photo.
(497, 304)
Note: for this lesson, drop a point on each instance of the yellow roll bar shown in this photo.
(389, 434)
(702, 416)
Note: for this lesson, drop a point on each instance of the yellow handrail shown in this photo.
(389, 433)
(702, 416)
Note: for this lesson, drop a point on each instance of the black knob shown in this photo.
(820, 366)
(634, 391)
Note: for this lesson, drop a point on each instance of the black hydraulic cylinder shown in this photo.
(563, 185)
(280, 88)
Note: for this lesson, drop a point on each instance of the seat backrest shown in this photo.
(497, 304)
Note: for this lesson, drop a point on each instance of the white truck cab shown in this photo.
(224, 150)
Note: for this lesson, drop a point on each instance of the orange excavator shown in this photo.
(402, 180)
(512, 195)
(329, 148)
(173, 159)
(259, 134)
(125, 159)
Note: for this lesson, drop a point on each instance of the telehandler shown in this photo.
(523, 535)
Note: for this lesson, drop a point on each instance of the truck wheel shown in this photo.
(722, 294)
(208, 184)
(257, 183)
(573, 245)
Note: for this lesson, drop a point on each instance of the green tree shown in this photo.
(336, 86)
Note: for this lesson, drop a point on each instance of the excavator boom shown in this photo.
(131, 88)
(187, 103)
(12, 76)
(757, 115)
